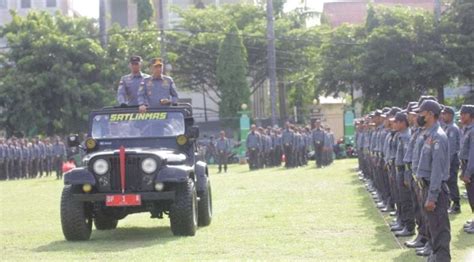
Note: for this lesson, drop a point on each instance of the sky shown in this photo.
(90, 8)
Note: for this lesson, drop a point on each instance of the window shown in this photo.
(3, 4)
(50, 3)
(25, 3)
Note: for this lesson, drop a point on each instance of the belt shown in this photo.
(400, 169)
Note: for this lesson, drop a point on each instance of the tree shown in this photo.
(145, 11)
(231, 76)
(457, 31)
(51, 75)
(340, 61)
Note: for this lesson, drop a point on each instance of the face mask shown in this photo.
(421, 121)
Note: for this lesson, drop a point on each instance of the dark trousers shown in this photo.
(392, 183)
(58, 166)
(253, 158)
(407, 215)
(288, 155)
(439, 227)
(41, 166)
(222, 161)
(277, 156)
(11, 164)
(3, 173)
(34, 167)
(417, 199)
(470, 193)
(24, 169)
(469, 188)
(318, 151)
(17, 168)
(453, 180)
(385, 191)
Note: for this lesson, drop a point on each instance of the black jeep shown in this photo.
(137, 162)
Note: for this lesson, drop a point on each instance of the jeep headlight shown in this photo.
(149, 165)
(100, 166)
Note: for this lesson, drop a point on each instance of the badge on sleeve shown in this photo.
(436, 146)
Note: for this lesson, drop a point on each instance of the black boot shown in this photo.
(418, 242)
(455, 208)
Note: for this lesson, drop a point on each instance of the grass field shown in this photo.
(273, 214)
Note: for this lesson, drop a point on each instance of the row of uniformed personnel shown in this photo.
(265, 147)
(410, 160)
(23, 158)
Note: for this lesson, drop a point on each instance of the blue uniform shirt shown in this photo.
(467, 150)
(287, 137)
(434, 160)
(253, 141)
(152, 90)
(127, 92)
(411, 145)
(454, 138)
(402, 146)
(318, 136)
(223, 145)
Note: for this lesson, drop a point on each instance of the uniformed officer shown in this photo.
(25, 155)
(432, 174)
(467, 158)
(454, 139)
(211, 150)
(41, 157)
(223, 148)
(410, 160)
(49, 156)
(17, 168)
(403, 176)
(268, 148)
(277, 145)
(253, 145)
(318, 142)
(127, 92)
(59, 155)
(329, 143)
(11, 159)
(157, 90)
(288, 140)
(3, 156)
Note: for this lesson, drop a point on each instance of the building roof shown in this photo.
(355, 11)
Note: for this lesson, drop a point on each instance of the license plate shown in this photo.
(123, 200)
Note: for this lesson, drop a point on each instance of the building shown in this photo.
(124, 12)
(22, 7)
(330, 111)
(355, 11)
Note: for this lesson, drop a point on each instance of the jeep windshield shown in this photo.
(136, 125)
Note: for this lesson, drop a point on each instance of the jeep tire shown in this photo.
(183, 212)
(104, 222)
(76, 216)
(205, 205)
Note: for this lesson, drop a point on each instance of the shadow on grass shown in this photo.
(119, 239)
(383, 238)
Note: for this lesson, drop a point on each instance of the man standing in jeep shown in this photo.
(127, 92)
(157, 90)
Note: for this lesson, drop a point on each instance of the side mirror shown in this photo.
(193, 132)
(73, 140)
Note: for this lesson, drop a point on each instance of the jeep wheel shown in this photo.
(183, 212)
(76, 218)
(104, 222)
(205, 206)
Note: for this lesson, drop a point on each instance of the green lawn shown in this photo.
(303, 214)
